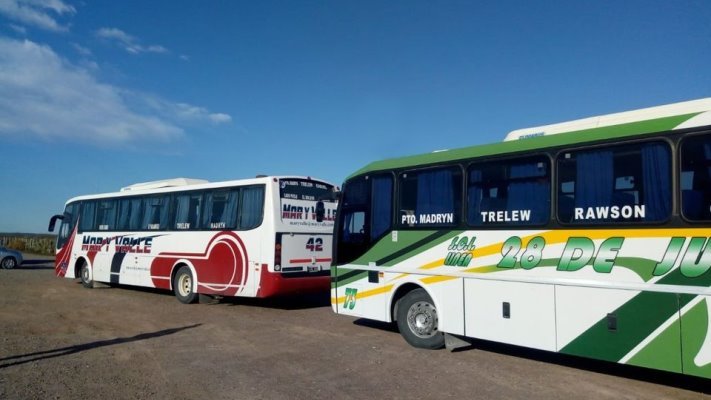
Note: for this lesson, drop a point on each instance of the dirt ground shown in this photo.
(59, 340)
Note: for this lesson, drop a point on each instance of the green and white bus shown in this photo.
(590, 238)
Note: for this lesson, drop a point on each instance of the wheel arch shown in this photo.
(403, 290)
(78, 264)
(179, 264)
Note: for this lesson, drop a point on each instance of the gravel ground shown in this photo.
(62, 341)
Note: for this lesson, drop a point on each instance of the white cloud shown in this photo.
(219, 118)
(81, 50)
(42, 95)
(19, 29)
(129, 43)
(188, 112)
(38, 13)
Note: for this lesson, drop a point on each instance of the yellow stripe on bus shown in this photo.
(387, 288)
(367, 293)
(561, 236)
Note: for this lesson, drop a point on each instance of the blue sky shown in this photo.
(96, 95)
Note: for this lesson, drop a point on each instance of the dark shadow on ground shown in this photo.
(65, 351)
(602, 367)
(292, 302)
(383, 326)
(49, 263)
(36, 264)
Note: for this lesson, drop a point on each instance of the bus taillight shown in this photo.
(277, 254)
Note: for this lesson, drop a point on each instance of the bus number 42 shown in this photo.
(314, 244)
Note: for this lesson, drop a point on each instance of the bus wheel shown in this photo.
(183, 286)
(85, 276)
(8, 263)
(417, 320)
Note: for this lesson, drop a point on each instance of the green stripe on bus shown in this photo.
(637, 319)
(346, 276)
(417, 248)
(663, 352)
(695, 326)
(409, 243)
(541, 142)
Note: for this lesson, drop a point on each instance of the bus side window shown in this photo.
(86, 219)
(251, 207)
(106, 215)
(695, 178)
(187, 211)
(509, 192)
(129, 214)
(220, 209)
(434, 196)
(615, 184)
(156, 213)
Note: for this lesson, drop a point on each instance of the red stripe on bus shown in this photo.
(308, 260)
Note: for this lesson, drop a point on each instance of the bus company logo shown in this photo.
(460, 251)
(305, 213)
(117, 244)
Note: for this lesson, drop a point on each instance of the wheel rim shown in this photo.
(85, 274)
(185, 285)
(8, 263)
(422, 319)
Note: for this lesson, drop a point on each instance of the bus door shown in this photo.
(365, 220)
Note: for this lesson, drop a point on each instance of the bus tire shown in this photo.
(85, 276)
(8, 262)
(183, 286)
(417, 320)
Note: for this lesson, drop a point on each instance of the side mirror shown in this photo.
(53, 221)
(320, 211)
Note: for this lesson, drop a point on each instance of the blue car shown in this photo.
(9, 259)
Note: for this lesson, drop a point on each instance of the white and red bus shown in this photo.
(258, 237)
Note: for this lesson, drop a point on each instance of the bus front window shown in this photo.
(354, 214)
(67, 226)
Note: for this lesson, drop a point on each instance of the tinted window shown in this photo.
(156, 212)
(353, 219)
(251, 208)
(221, 209)
(695, 178)
(70, 218)
(430, 197)
(187, 210)
(382, 205)
(88, 212)
(106, 215)
(616, 184)
(129, 218)
(509, 192)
